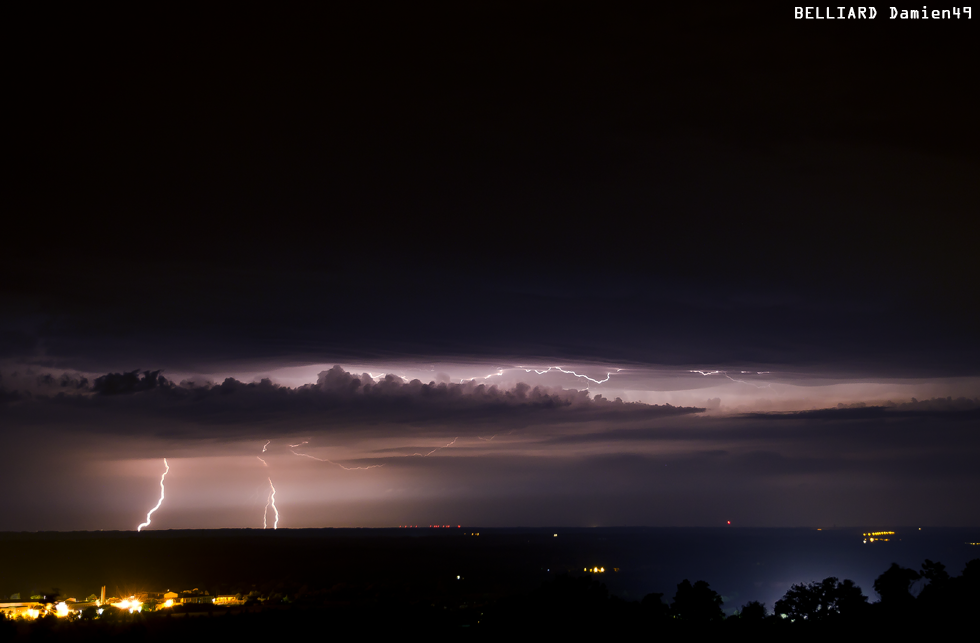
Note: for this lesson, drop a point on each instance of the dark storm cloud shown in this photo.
(339, 400)
(463, 204)
(125, 383)
(424, 313)
(65, 381)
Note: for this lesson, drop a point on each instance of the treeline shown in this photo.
(920, 601)
(927, 599)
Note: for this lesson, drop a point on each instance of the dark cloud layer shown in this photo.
(961, 408)
(339, 401)
(131, 382)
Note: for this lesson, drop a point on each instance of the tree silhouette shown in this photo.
(964, 590)
(697, 603)
(936, 590)
(821, 600)
(753, 611)
(895, 584)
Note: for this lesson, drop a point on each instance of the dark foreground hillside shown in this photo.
(571, 605)
(499, 582)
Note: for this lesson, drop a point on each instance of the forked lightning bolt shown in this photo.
(160, 501)
(271, 502)
(272, 495)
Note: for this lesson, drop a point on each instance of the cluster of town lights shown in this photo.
(64, 610)
(130, 604)
(872, 536)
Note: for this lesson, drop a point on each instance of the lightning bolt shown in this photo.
(549, 369)
(271, 502)
(487, 439)
(426, 455)
(725, 373)
(560, 369)
(337, 464)
(749, 383)
(486, 377)
(264, 447)
(160, 501)
(374, 466)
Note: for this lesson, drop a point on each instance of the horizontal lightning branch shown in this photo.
(562, 370)
(426, 455)
(725, 373)
(336, 464)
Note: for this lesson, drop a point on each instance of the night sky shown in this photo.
(503, 265)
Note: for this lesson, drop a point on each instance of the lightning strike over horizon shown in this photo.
(271, 502)
(160, 501)
(272, 499)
